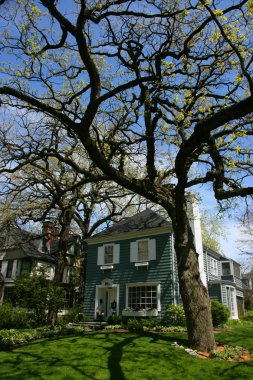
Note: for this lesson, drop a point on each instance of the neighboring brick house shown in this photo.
(132, 269)
(23, 253)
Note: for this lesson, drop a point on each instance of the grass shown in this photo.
(112, 356)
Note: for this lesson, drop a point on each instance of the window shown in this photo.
(143, 297)
(108, 255)
(9, 269)
(226, 269)
(231, 301)
(143, 250)
(237, 270)
(213, 266)
(25, 267)
(142, 254)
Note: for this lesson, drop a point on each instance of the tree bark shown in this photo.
(194, 295)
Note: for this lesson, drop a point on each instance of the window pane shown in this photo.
(142, 297)
(25, 267)
(226, 268)
(143, 250)
(9, 269)
(109, 254)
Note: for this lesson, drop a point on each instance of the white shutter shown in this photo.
(133, 252)
(152, 249)
(116, 254)
(101, 256)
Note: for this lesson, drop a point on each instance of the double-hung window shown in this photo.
(143, 250)
(108, 255)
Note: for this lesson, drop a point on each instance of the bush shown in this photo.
(150, 323)
(114, 319)
(220, 313)
(174, 316)
(75, 314)
(17, 317)
(134, 324)
(248, 316)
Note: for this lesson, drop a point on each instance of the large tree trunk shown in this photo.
(196, 303)
(194, 295)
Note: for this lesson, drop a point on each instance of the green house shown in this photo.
(132, 269)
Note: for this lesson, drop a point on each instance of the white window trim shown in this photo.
(213, 266)
(158, 290)
(233, 311)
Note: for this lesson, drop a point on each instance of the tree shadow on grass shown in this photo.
(22, 363)
(116, 352)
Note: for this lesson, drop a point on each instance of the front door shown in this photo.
(106, 301)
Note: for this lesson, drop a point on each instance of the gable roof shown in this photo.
(144, 220)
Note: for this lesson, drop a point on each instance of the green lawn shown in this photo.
(112, 356)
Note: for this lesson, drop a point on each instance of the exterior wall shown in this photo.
(162, 271)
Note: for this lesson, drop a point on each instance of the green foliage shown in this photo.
(134, 324)
(248, 299)
(14, 337)
(248, 316)
(17, 317)
(150, 323)
(174, 316)
(212, 226)
(114, 319)
(39, 295)
(220, 313)
(228, 352)
(170, 329)
(75, 314)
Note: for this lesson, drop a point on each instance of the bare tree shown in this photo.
(164, 85)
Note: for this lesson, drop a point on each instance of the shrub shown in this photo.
(134, 324)
(174, 316)
(220, 313)
(248, 316)
(114, 319)
(75, 314)
(17, 317)
(150, 323)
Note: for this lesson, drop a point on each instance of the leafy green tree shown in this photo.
(212, 226)
(165, 86)
(38, 294)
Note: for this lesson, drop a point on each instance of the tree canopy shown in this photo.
(159, 93)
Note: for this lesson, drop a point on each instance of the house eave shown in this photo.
(129, 235)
